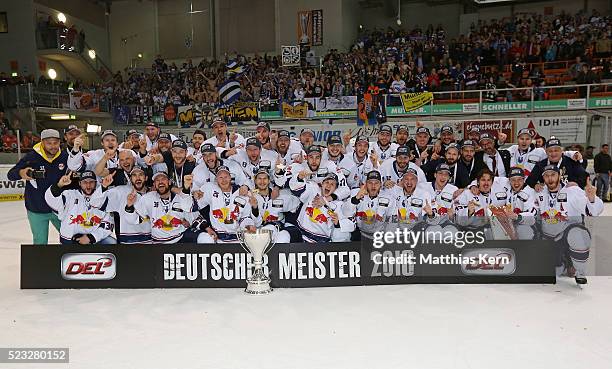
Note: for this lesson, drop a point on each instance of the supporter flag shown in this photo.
(233, 69)
(229, 91)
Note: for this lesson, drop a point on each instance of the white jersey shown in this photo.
(165, 215)
(523, 202)
(249, 168)
(568, 206)
(293, 152)
(342, 192)
(115, 200)
(349, 168)
(497, 196)
(442, 200)
(390, 172)
(526, 160)
(152, 143)
(196, 153)
(202, 174)
(229, 211)
(240, 141)
(382, 153)
(88, 161)
(270, 211)
(79, 216)
(316, 223)
(371, 214)
(408, 208)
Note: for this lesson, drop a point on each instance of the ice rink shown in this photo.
(403, 326)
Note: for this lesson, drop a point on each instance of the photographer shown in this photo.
(41, 168)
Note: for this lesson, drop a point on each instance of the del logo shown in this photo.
(489, 262)
(102, 267)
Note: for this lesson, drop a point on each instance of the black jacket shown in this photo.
(571, 171)
(472, 171)
(505, 156)
(603, 163)
(461, 180)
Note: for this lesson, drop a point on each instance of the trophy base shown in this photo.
(258, 287)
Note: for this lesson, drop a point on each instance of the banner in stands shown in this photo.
(296, 110)
(317, 27)
(121, 114)
(84, 101)
(412, 101)
(332, 107)
(289, 265)
(170, 113)
(10, 190)
(371, 109)
(239, 112)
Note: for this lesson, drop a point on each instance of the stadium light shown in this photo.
(60, 116)
(52, 74)
(61, 17)
(93, 128)
(92, 54)
(139, 55)
(399, 12)
(399, 22)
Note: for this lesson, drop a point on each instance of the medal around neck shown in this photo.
(257, 244)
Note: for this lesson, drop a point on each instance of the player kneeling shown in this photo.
(81, 222)
(229, 209)
(562, 210)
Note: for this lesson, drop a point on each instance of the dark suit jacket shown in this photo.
(571, 171)
(505, 156)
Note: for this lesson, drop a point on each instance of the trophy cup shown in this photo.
(258, 244)
(304, 23)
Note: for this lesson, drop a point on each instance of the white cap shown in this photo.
(49, 133)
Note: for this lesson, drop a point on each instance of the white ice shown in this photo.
(408, 326)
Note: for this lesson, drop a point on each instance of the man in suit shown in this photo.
(471, 165)
(570, 170)
(498, 161)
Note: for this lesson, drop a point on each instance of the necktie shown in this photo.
(494, 159)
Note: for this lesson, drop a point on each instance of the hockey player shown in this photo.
(79, 161)
(290, 150)
(229, 209)
(522, 209)
(393, 169)
(562, 210)
(176, 162)
(152, 135)
(115, 199)
(82, 223)
(321, 218)
(169, 214)
(127, 161)
(370, 210)
(222, 138)
(384, 148)
(197, 139)
(412, 204)
(441, 191)
(263, 135)
(459, 175)
(207, 170)
(524, 154)
(251, 158)
(346, 164)
(268, 208)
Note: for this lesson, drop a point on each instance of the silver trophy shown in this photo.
(258, 244)
(304, 25)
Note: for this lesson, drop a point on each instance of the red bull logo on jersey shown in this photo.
(167, 222)
(316, 215)
(225, 216)
(553, 216)
(406, 216)
(368, 216)
(86, 221)
(267, 217)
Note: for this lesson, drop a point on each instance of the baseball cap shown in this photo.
(411, 171)
(474, 129)
(180, 144)
(443, 167)
(452, 146)
(331, 176)
(266, 125)
(307, 130)
(108, 132)
(253, 141)
(402, 150)
(516, 172)
(448, 129)
(283, 133)
(160, 173)
(550, 167)
(49, 133)
(87, 175)
(374, 174)
(223, 168)
(71, 128)
(136, 169)
(208, 147)
(486, 136)
(385, 128)
(465, 143)
(334, 139)
(423, 130)
(524, 131)
(216, 120)
(152, 124)
(361, 138)
(164, 136)
(402, 127)
(313, 148)
(553, 142)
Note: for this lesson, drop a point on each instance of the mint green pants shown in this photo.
(39, 224)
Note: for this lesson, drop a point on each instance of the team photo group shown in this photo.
(152, 187)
